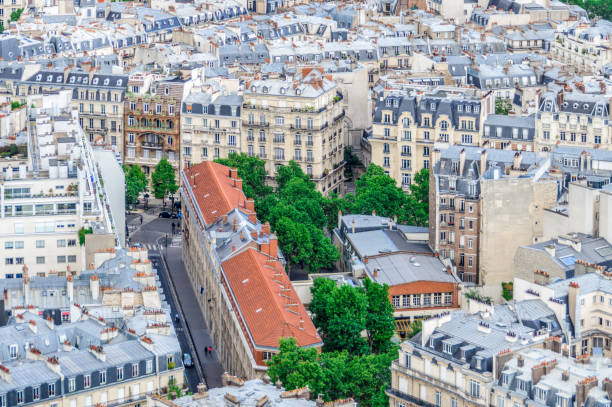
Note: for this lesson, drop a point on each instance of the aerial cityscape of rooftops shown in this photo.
(402, 203)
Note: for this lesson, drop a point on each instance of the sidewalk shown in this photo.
(193, 317)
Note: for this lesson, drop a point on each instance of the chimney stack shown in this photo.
(520, 361)
(483, 161)
(518, 157)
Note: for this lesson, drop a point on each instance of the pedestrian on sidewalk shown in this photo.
(173, 227)
(206, 350)
(210, 350)
(141, 219)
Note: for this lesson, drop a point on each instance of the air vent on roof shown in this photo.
(259, 310)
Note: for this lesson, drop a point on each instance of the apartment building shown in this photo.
(405, 128)
(377, 248)
(98, 338)
(152, 130)
(583, 301)
(584, 47)
(476, 220)
(210, 127)
(573, 119)
(49, 198)
(544, 377)
(300, 120)
(556, 258)
(233, 261)
(457, 357)
(99, 97)
(509, 132)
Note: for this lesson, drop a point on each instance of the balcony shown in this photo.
(250, 138)
(309, 159)
(152, 129)
(309, 143)
(280, 140)
(246, 123)
(94, 130)
(148, 144)
(407, 397)
(262, 155)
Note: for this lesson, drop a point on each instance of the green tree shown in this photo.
(344, 314)
(415, 327)
(350, 161)
(16, 14)
(1, 27)
(416, 207)
(289, 172)
(376, 191)
(502, 106)
(379, 323)
(163, 180)
(252, 171)
(296, 367)
(335, 375)
(135, 183)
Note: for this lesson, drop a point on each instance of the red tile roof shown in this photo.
(268, 303)
(215, 191)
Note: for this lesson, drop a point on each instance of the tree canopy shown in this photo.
(163, 180)
(350, 365)
(135, 183)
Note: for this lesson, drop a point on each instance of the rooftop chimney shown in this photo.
(483, 161)
(518, 157)
(520, 361)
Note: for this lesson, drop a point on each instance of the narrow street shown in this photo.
(191, 328)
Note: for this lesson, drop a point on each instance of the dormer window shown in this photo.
(586, 106)
(119, 82)
(575, 105)
(49, 78)
(388, 102)
(564, 104)
(448, 348)
(106, 82)
(433, 106)
(468, 108)
(38, 77)
(476, 109)
(253, 88)
(95, 81)
(59, 79)
(460, 108)
(72, 79)
(505, 379)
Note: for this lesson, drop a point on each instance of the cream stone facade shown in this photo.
(301, 121)
(210, 127)
(405, 129)
(573, 119)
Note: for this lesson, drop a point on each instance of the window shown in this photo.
(40, 260)
(453, 402)
(395, 300)
(416, 300)
(8, 261)
(149, 366)
(474, 388)
(119, 373)
(8, 245)
(134, 369)
(61, 243)
(500, 401)
(71, 384)
(267, 355)
(448, 298)
(438, 394)
(61, 259)
(87, 381)
(437, 298)
(51, 389)
(20, 397)
(40, 244)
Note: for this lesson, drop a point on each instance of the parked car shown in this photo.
(167, 215)
(187, 362)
